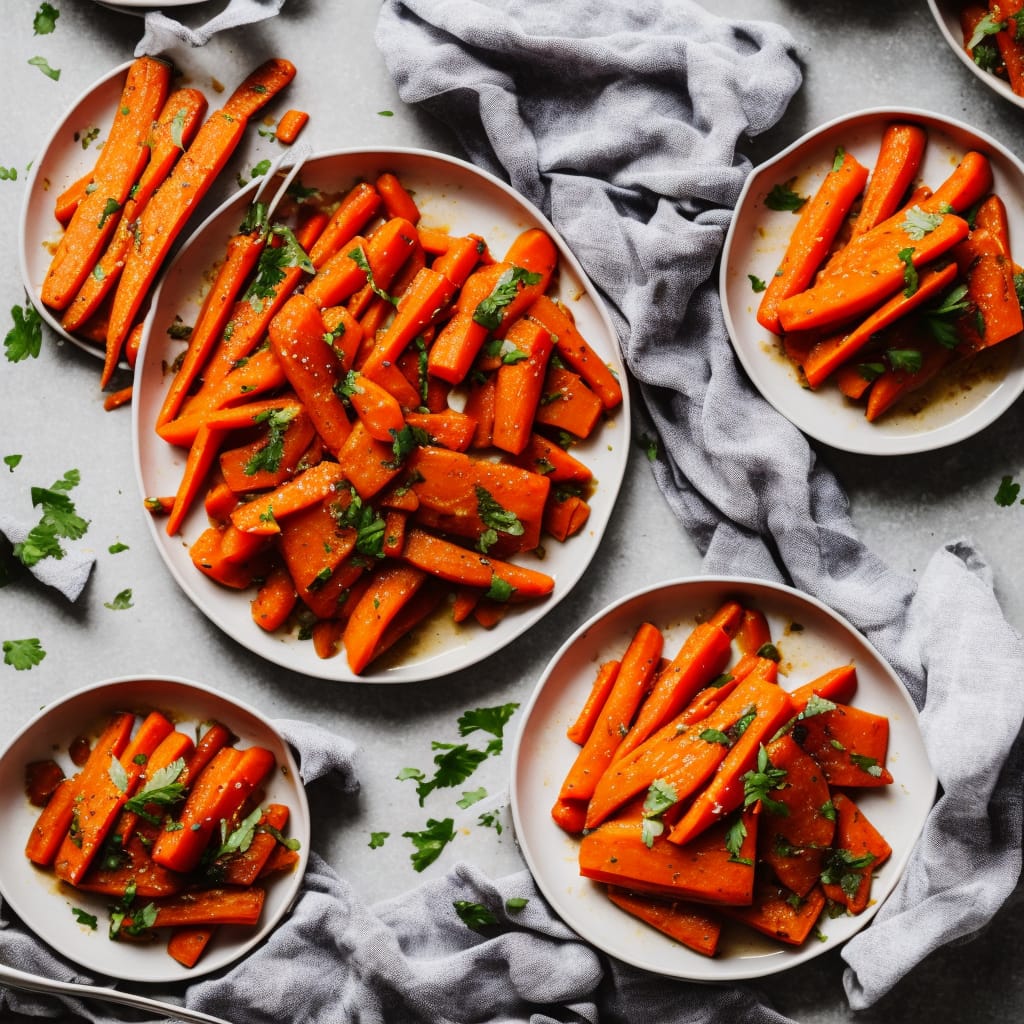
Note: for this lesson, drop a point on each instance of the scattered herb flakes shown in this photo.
(261, 168)
(358, 257)
(269, 456)
(715, 736)
(385, 113)
(377, 839)
(769, 650)
(492, 720)
(1007, 492)
(816, 706)
(516, 903)
(11, 461)
(471, 797)
(917, 223)
(44, 22)
(490, 311)
(783, 197)
(8, 173)
(989, 25)
(84, 917)
(495, 518)
(756, 284)
(839, 158)
(734, 837)
(910, 278)
(121, 602)
(430, 841)
(25, 338)
(43, 65)
(757, 784)
(474, 915)
(491, 819)
(240, 838)
(660, 797)
(909, 360)
(117, 547)
(867, 764)
(163, 789)
(59, 519)
(271, 266)
(846, 870)
(23, 654)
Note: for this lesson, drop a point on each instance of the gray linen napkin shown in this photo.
(163, 32)
(620, 122)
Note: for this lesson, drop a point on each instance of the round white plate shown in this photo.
(460, 198)
(958, 405)
(542, 755)
(947, 16)
(45, 905)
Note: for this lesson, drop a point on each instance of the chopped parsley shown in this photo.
(734, 837)
(358, 257)
(474, 915)
(162, 789)
(117, 548)
(909, 360)
(44, 22)
(240, 838)
(110, 207)
(756, 284)
(430, 841)
(846, 870)
(871, 371)
(867, 764)
(910, 278)
(11, 462)
(269, 456)
(118, 776)
(490, 311)
(83, 917)
(271, 266)
(22, 655)
(816, 706)
(8, 173)
(377, 839)
(758, 783)
(59, 519)
(471, 797)
(492, 720)
(987, 26)
(839, 158)
(364, 519)
(406, 441)
(500, 590)
(939, 319)
(516, 903)
(44, 66)
(770, 651)
(917, 223)
(122, 601)
(782, 197)
(1007, 492)
(25, 338)
(660, 797)
(178, 127)
(495, 518)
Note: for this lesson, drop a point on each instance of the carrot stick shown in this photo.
(188, 943)
(893, 385)
(53, 823)
(178, 122)
(838, 684)
(458, 259)
(166, 213)
(209, 907)
(565, 515)
(182, 431)
(216, 737)
(389, 591)
(753, 632)
(397, 202)
(820, 220)
(450, 429)
(118, 398)
(830, 353)
(118, 166)
(638, 665)
(581, 729)
(702, 656)
(258, 465)
(859, 838)
(568, 404)
(519, 385)
(869, 270)
(67, 202)
(545, 457)
(849, 744)
(290, 126)
(377, 408)
(970, 182)
(575, 350)
(217, 794)
(460, 565)
(687, 923)
(200, 458)
(102, 800)
(990, 286)
(991, 216)
(353, 214)
(899, 157)
(261, 515)
(772, 912)
(244, 866)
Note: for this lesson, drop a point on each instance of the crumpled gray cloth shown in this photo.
(163, 32)
(620, 121)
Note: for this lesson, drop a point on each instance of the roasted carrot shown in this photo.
(565, 515)
(848, 743)
(820, 220)
(894, 384)
(838, 684)
(290, 126)
(546, 458)
(687, 923)
(397, 201)
(389, 591)
(67, 202)
(216, 737)
(209, 907)
(899, 157)
(188, 943)
(753, 631)
(857, 840)
(458, 259)
(271, 458)
(520, 383)
(274, 600)
(377, 408)
(307, 488)
(120, 162)
(989, 274)
(116, 399)
(182, 431)
(568, 404)
(581, 729)
(969, 183)
(354, 212)
(774, 912)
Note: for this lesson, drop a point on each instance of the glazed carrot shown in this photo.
(534, 252)
(772, 912)
(103, 796)
(568, 404)
(217, 794)
(704, 870)
(989, 273)
(201, 457)
(422, 304)
(820, 220)
(188, 943)
(353, 214)
(460, 565)
(67, 202)
(244, 866)
(851, 381)
(893, 385)
(388, 592)
(384, 252)
(838, 684)
(565, 515)
(458, 259)
(166, 213)
(869, 270)
(991, 216)
(1006, 13)
(798, 815)
(274, 600)
(520, 384)
(545, 457)
(450, 429)
(753, 631)
(209, 907)
(575, 350)
(118, 166)
(118, 398)
(178, 122)
(307, 488)
(829, 354)
(182, 431)
(638, 666)
(290, 126)
(863, 842)
(899, 157)
(702, 656)
(687, 923)
(728, 617)
(271, 458)
(53, 823)
(134, 871)
(724, 792)
(849, 744)
(312, 367)
(397, 202)
(207, 556)
(240, 548)
(243, 250)
(581, 729)
(969, 183)
(215, 738)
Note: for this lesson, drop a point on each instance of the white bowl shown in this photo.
(542, 755)
(45, 905)
(757, 239)
(947, 16)
(460, 198)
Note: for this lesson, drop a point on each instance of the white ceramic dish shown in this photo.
(947, 16)
(542, 755)
(461, 198)
(755, 244)
(44, 905)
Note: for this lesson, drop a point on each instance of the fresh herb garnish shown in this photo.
(660, 797)
(909, 360)
(358, 257)
(271, 266)
(516, 903)
(59, 519)
(939, 320)
(734, 837)
(756, 284)
(117, 547)
(495, 518)
(839, 158)
(867, 764)
(986, 26)
(490, 311)
(364, 519)
(377, 839)
(43, 65)
(816, 706)
(11, 462)
(871, 371)
(430, 841)
(44, 22)
(110, 207)
(162, 789)
(471, 797)
(25, 338)
(910, 278)
(757, 784)
(269, 456)
(118, 776)
(499, 590)
(492, 720)
(406, 441)
(122, 601)
(474, 915)
(845, 869)
(22, 655)
(240, 838)
(83, 917)
(769, 650)
(917, 223)
(782, 197)
(1007, 492)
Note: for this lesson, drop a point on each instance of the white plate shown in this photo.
(462, 199)
(757, 239)
(44, 904)
(542, 755)
(947, 16)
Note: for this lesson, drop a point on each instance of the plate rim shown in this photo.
(299, 816)
(726, 583)
(433, 668)
(910, 444)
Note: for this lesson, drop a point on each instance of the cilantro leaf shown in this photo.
(917, 223)
(490, 819)
(43, 24)
(11, 462)
(516, 903)
(25, 338)
(495, 518)
(406, 441)
(122, 601)
(429, 842)
(59, 519)
(241, 837)
(490, 311)
(845, 869)
(715, 736)
(909, 360)
(269, 456)
(839, 158)
(769, 650)
(474, 915)
(816, 706)
(23, 654)
(987, 26)
(782, 197)
(271, 266)
(1007, 492)
(162, 789)
(871, 371)
(178, 127)
(377, 839)
(500, 590)
(118, 776)
(43, 65)
(471, 797)
(759, 782)
(906, 257)
(83, 917)
(734, 837)
(492, 720)
(756, 284)
(364, 519)
(660, 797)
(867, 764)
(358, 257)
(117, 547)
